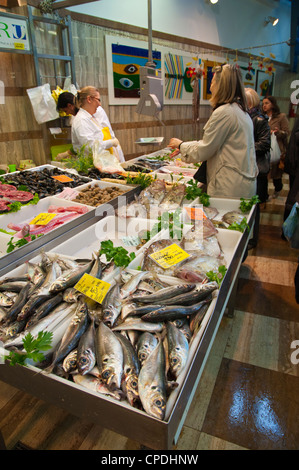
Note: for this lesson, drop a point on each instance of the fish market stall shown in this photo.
(114, 407)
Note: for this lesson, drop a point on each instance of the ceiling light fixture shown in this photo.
(272, 20)
(213, 1)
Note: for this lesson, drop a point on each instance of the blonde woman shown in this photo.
(228, 142)
(91, 123)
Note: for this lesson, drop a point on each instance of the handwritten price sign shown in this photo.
(169, 256)
(94, 288)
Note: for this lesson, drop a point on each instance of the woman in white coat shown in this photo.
(228, 140)
(91, 123)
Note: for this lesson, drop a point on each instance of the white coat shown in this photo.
(87, 128)
(228, 147)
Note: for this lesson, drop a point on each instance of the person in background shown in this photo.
(98, 121)
(291, 167)
(228, 142)
(66, 103)
(279, 125)
(262, 139)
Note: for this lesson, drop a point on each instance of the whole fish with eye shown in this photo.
(12, 330)
(86, 355)
(35, 274)
(71, 336)
(13, 286)
(21, 300)
(199, 293)
(139, 325)
(131, 370)
(112, 305)
(232, 216)
(196, 319)
(162, 294)
(152, 383)
(70, 278)
(131, 285)
(95, 384)
(145, 345)
(70, 362)
(178, 350)
(5, 300)
(109, 355)
(45, 308)
(41, 293)
(172, 312)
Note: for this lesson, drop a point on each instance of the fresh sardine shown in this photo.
(152, 383)
(71, 336)
(131, 285)
(70, 361)
(86, 356)
(70, 278)
(178, 350)
(5, 300)
(199, 293)
(145, 345)
(162, 294)
(139, 325)
(131, 369)
(109, 355)
(112, 305)
(172, 312)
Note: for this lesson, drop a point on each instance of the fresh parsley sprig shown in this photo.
(119, 254)
(246, 204)
(240, 227)
(193, 191)
(21, 242)
(32, 348)
(217, 276)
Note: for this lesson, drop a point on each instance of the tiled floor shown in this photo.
(247, 397)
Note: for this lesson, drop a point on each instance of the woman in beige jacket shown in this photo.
(228, 140)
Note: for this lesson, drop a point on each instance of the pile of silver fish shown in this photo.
(133, 346)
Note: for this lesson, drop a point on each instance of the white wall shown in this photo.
(236, 24)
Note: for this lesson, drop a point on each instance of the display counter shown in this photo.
(119, 416)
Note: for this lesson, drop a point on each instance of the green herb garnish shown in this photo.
(246, 204)
(143, 179)
(240, 227)
(193, 191)
(217, 276)
(119, 254)
(21, 242)
(33, 347)
(81, 161)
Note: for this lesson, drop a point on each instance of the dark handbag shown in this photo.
(201, 174)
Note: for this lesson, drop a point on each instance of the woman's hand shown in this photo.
(174, 143)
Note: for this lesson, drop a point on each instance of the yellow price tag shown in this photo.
(19, 45)
(93, 287)
(43, 218)
(169, 256)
